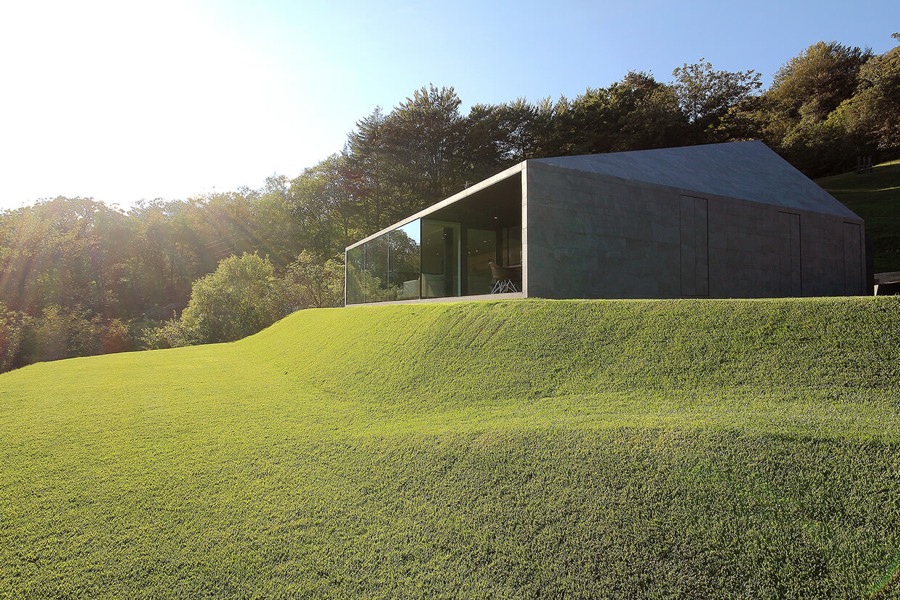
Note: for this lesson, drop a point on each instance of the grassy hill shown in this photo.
(875, 197)
(522, 449)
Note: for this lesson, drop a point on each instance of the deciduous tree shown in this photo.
(705, 96)
(242, 296)
(324, 206)
(874, 111)
(314, 284)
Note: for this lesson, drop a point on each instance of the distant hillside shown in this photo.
(875, 197)
(520, 449)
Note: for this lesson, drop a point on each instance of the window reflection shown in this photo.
(385, 268)
(430, 258)
(481, 249)
(440, 259)
(355, 280)
(404, 261)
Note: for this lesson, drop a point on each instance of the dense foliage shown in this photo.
(96, 278)
(875, 196)
(519, 449)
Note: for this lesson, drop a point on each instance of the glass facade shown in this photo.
(481, 248)
(385, 268)
(440, 259)
(446, 254)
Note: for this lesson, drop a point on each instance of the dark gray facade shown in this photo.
(718, 221)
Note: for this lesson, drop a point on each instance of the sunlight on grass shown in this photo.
(496, 449)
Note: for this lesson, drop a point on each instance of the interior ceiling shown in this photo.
(499, 205)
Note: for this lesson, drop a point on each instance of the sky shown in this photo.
(126, 100)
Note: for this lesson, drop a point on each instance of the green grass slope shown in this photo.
(875, 197)
(521, 449)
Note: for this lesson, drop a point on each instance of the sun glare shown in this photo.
(104, 97)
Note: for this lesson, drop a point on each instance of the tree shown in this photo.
(426, 139)
(312, 284)
(273, 214)
(242, 296)
(552, 128)
(13, 328)
(635, 113)
(323, 205)
(647, 113)
(485, 138)
(705, 96)
(874, 111)
(60, 333)
(165, 258)
(367, 165)
(64, 252)
(804, 94)
(814, 83)
(403, 162)
(498, 136)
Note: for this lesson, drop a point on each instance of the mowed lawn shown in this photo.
(520, 449)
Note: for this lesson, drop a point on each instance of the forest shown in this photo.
(79, 277)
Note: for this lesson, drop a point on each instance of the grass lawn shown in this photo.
(520, 449)
(875, 197)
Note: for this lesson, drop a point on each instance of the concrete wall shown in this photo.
(596, 236)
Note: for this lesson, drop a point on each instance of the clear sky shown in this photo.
(122, 100)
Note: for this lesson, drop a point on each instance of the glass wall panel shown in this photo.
(356, 264)
(378, 269)
(445, 254)
(385, 268)
(405, 253)
(481, 248)
(440, 259)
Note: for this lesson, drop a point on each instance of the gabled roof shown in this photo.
(745, 170)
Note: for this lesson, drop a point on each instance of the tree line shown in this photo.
(80, 277)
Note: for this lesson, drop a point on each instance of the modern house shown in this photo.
(728, 220)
